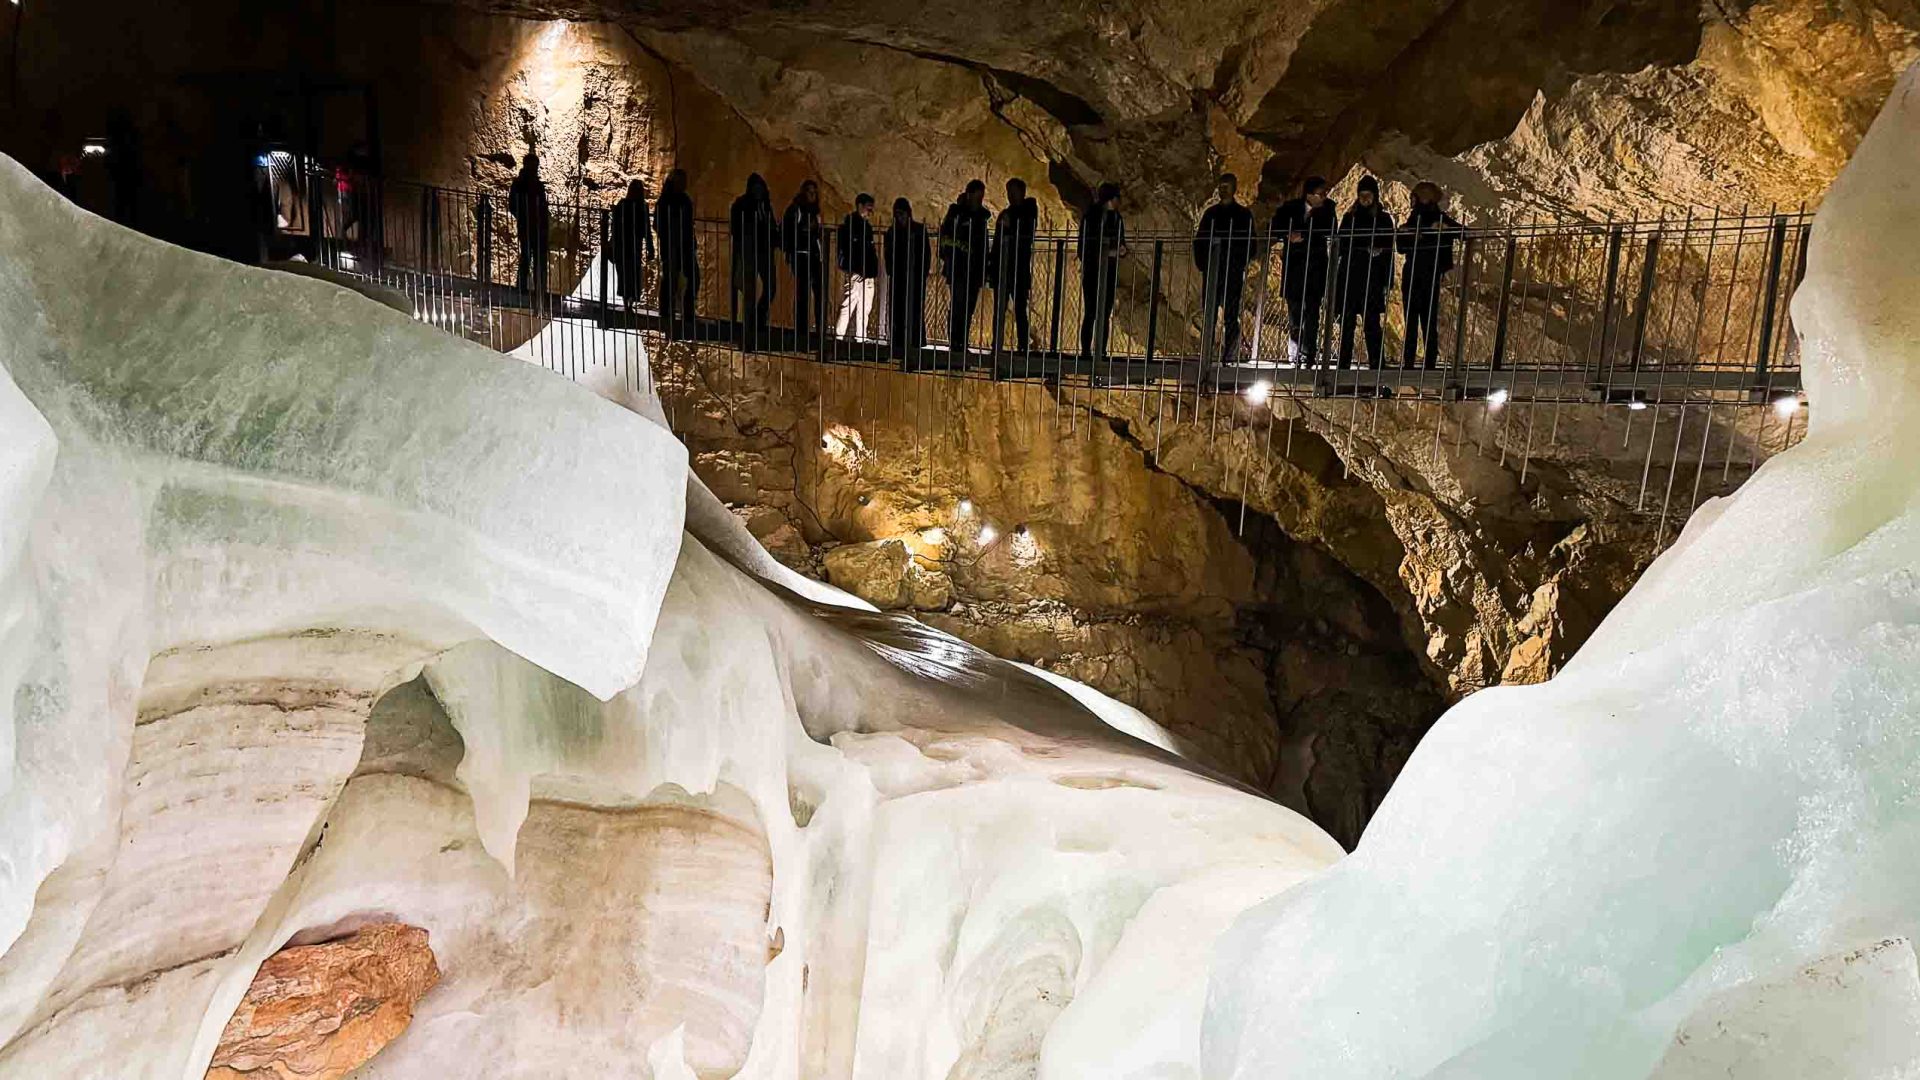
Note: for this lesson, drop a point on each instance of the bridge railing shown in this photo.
(1675, 309)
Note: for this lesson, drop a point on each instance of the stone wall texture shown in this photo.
(1295, 591)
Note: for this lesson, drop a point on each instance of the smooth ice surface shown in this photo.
(1721, 790)
(414, 631)
(195, 452)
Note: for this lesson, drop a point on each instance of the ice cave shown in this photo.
(1133, 540)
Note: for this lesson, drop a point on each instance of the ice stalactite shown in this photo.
(1707, 822)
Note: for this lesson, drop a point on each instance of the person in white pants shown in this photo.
(859, 260)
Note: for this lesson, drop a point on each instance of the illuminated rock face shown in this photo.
(1633, 108)
(318, 1011)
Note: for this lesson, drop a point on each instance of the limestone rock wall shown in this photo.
(1187, 574)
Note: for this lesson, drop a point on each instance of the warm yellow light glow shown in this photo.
(936, 536)
(965, 507)
(987, 535)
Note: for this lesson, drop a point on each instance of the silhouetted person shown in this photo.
(1303, 227)
(527, 202)
(756, 236)
(1222, 247)
(1426, 241)
(1010, 263)
(1103, 243)
(909, 254)
(964, 238)
(800, 233)
(859, 260)
(679, 258)
(630, 241)
(1363, 268)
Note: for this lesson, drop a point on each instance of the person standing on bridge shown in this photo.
(630, 241)
(800, 232)
(909, 259)
(1010, 262)
(1304, 226)
(1222, 247)
(1363, 268)
(1103, 243)
(1426, 241)
(679, 265)
(755, 233)
(964, 236)
(527, 202)
(859, 260)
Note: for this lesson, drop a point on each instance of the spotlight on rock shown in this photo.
(987, 535)
(1498, 397)
(1258, 393)
(1637, 405)
(965, 507)
(1786, 405)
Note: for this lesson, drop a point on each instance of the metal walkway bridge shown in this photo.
(1632, 313)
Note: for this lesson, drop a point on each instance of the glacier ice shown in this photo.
(1717, 796)
(311, 616)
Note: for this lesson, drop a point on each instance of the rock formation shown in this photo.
(316, 1012)
(1637, 108)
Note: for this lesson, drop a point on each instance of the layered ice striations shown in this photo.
(312, 617)
(1708, 823)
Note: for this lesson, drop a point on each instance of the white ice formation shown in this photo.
(313, 616)
(1695, 853)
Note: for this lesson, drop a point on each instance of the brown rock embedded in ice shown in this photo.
(316, 1012)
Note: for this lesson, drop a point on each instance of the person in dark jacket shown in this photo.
(1304, 227)
(1363, 268)
(801, 234)
(527, 202)
(630, 240)
(1010, 263)
(1103, 243)
(1426, 242)
(679, 265)
(1222, 247)
(964, 236)
(859, 260)
(909, 254)
(755, 232)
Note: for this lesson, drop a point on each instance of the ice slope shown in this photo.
(1710, 812)
(313, 615)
